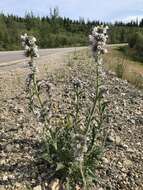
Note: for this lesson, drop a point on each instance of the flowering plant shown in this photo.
(98, 40)
(29, 44)
(72, 148)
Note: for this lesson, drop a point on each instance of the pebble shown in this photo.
(9, 147)
(130, 150)
(127, 163)
(105, 160)
(114, 139)
(37, 187)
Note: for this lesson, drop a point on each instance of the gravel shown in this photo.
(121, 167)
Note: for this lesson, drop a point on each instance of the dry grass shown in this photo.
(125, 68)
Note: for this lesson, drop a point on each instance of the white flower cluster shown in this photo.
(29, 44)
(98, 40)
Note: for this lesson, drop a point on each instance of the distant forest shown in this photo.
(56, 31)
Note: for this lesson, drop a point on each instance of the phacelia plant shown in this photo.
(72, 149)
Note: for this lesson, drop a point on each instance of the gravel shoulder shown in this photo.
(19, 133)
(121, 167)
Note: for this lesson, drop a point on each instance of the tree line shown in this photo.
(56, 31)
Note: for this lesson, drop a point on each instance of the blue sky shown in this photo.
(106, 10)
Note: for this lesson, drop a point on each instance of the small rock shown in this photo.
(118, 140)
(124, 146)
(37, 187)
(5, 177)
(127, 163)
(114, 139)
(138, 144)
(133, 121)
(105, 160)
(130, 150)
(111, 138)
(20, 110)
(120, 165)
(33, 181)
(9, 148)
(17, 184)
(124, 170)
(11, 177)
(17, 146)
(55, 185)
(2, 162)
(2, 118)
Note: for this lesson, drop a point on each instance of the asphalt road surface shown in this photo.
(9, 59)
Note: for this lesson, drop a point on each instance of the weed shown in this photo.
(72, 145)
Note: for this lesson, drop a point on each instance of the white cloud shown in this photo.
(106, 10)
(132, 18)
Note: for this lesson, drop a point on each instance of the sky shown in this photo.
(105, 10)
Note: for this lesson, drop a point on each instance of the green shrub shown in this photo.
(136, 43)
(132, 40)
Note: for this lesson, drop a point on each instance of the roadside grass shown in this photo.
(124, 67)
(131, 54)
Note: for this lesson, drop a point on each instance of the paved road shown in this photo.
(14, 58)
(9, 58)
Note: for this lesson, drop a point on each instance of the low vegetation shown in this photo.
(134, 50)
(125, 66)
(72, 143)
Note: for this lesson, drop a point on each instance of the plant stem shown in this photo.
(76, 108)
(96, 96)
(36, 90)
(82, 174)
